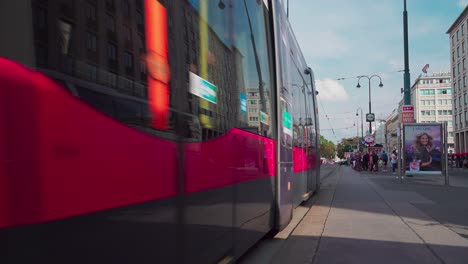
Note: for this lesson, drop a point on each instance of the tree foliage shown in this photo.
(346, 145)
(327, 148)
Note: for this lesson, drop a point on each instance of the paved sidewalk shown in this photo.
(369, 218)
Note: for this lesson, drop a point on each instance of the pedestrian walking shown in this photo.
(375, 160)
(394, 161)
(385, 160)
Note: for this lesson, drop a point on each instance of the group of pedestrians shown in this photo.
(373, 161)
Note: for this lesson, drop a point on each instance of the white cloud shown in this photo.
(331, 90)
(462, 3)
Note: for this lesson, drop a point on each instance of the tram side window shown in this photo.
(299, 110)
(89, 45)
(311, 122)
(231, 79)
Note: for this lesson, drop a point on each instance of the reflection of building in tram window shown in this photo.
(228, 59)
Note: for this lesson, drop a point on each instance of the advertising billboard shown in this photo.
(423, 148)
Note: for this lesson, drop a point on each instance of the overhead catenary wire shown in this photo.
(340, 128)
(357, 76)
(328, 118)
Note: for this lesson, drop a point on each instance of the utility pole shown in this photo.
(407, 92)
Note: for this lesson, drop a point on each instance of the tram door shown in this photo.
(284, 184)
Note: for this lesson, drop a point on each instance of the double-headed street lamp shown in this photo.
(359, 86)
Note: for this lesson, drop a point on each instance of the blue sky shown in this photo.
(347, 38)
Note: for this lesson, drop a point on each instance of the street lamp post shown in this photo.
(359, 86)
(362, 124)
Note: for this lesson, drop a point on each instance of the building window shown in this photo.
(127, 33)
(463, 47)
(128, 60)
(426, 92)
(90, 11)
(125, 8)
(453, 40)
(110, 23)
(444, 91)
(91, 41)
(40, 18)
(111, 52)
(139, 22)
(110, 4)
(41, 55)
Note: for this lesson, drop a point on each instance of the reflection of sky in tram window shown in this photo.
(217, 18)
(244, 43)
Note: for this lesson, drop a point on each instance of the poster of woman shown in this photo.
(423, 148)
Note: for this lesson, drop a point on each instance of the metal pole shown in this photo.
(370, 109)
(362, 125)
(407, 93)
(447, 179)
(399, 154)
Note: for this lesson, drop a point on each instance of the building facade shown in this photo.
(431, 96)
(391, 137)
(458, 33)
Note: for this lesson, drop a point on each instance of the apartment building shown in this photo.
(458, 34)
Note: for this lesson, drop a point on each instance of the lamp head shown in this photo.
(358, 85)
(221, 4)
(380, 85)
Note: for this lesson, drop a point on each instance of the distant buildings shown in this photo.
(391, 137)
(431, 97)
(458, 50)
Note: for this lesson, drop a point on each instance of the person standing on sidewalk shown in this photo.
(394, 161)
(365, 162)
(375, 162)
(385, 160)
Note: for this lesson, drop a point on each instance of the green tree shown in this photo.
(327, 148)
(346, 145)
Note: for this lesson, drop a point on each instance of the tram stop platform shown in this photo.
(364, 217)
